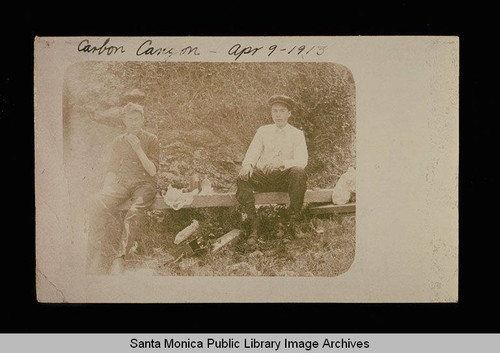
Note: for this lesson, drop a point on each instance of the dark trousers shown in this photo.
(104, 246)
(292, 180)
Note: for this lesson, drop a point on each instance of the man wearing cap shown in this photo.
(112, 116)
(131, 174)
(275, 161)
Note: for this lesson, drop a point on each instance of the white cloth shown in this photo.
(346, 185)
(176, 199)
(272, 143)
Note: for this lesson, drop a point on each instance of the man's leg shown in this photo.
(293, 181)
(245, 197)
(143, 196)
(244, 194)
(102, 208)
(297, 184)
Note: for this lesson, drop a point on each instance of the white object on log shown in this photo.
(345, 186)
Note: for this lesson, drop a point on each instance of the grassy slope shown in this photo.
(205, 115)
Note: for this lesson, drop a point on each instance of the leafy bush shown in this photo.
(206, 114)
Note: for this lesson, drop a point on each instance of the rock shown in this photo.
(255, 254)
(270, 252)
(319, 230)
(287, 273)
(188, 263)
(140, 273)
(243, 268)
(316, 256)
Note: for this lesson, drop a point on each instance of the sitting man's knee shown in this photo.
(242, 184)
(298, 171)
(241, 180)
(244, 191)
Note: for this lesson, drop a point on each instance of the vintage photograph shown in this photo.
(246, 169)
(211, 168)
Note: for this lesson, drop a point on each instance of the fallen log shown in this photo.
(229, 199)
(333, 209)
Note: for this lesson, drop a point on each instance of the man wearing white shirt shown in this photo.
(275, 161)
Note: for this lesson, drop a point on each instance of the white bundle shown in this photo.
(177, 199)
(346, 185)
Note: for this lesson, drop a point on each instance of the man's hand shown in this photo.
(134, 142)
(273, 165)
(246, 172)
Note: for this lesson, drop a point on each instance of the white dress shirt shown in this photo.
(271, 143)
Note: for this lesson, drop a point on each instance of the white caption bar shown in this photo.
(250, 343)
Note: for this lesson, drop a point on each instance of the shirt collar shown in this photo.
(284, 128)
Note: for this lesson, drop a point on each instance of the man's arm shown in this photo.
(254, 150)
(145, 161)
(300, 155)
(252, 156)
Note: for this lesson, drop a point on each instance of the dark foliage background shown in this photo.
(206, 114)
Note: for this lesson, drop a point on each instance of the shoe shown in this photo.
(253, 235)
(294, 229)
(118, 266)
(298, 234)
(281, 232)
(252, 239)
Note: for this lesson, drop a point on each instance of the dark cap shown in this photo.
(132, 107)
(279, 98)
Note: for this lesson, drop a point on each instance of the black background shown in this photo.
(477, 309)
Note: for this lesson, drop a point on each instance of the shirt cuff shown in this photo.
(289, 163)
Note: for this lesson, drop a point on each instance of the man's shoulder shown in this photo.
(119, 137)
(272, 127)
(267, 127)
(294, 129)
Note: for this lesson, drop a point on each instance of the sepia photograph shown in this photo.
(246, 169)
(212, 169)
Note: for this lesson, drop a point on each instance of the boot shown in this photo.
(252, 234)
(118, 266)
(293, 226)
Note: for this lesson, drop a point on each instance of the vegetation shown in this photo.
(205, 115)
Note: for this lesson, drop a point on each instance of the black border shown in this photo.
(478, 243)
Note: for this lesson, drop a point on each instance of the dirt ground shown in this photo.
(327, 248)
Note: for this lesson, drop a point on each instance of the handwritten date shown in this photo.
(238, 50)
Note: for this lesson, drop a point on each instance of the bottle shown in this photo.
(186, 232)
(206, 186)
